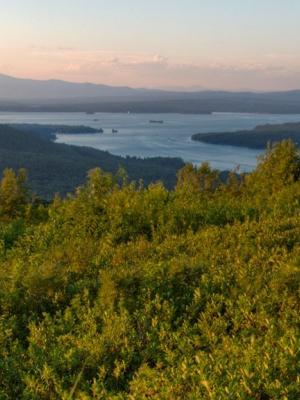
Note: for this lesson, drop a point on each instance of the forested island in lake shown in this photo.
(257, 138)
(50, 130)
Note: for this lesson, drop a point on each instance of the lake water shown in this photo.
(137, 137)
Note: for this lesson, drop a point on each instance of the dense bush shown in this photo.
(130, 292)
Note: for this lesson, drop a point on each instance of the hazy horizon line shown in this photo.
(192, 88)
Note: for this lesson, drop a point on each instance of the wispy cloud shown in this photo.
(156, 70)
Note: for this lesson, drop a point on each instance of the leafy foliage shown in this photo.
(125, 291)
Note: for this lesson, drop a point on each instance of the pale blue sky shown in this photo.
(205, 43)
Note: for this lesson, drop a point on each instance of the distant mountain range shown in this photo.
(18, 94)
(12, 88)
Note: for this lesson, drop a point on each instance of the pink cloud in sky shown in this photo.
(156, 70)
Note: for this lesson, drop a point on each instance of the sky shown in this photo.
(173, 44)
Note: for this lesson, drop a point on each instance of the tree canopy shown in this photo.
(126, 291)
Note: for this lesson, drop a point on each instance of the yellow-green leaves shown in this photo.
(131, 292)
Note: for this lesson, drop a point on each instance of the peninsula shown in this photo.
(257, 138)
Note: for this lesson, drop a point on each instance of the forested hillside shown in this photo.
(125, 291)
(59, 168)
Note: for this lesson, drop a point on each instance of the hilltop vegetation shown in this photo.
(130, 292)
(59, 168)
(257, 138)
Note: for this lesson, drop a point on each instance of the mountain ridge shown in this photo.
(53, 95)
(7, 79)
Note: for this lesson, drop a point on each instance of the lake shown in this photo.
(138, 137)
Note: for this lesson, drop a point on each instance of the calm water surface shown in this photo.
(137, 137)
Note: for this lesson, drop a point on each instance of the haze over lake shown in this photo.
(138, 137)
